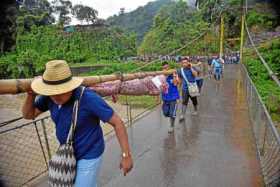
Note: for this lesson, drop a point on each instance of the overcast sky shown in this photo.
(108, 8)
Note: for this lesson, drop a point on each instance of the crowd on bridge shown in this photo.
(77, 111)
(229, 58)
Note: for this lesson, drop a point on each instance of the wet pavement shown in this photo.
(214, 149)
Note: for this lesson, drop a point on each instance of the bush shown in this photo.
(268, 89)
(261, 20)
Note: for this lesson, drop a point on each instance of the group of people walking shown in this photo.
(189, 77)
(77, 111)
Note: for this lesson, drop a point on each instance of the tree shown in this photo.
(8, 13)
(174, 25)
(85, 13)
(63, 9)
(34, 12)
(38, 8)
(29, 4)
(122, 10)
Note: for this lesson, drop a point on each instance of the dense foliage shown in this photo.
(173, 26)
(262, 17)
(8, 14)
(44, 43)
(267, 88)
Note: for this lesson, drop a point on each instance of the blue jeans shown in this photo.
(169, 108)
(199, 83)
(217, 73)
(88, 172)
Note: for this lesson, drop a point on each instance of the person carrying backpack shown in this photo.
(217, 66)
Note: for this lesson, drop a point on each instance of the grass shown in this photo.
(127, 67)
(86, 65)
(138, 101)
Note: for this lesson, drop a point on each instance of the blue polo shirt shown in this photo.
(189, 76)
(88, 139)
(216, 63)
(172, 94)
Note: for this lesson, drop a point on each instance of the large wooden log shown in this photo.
(16, 86)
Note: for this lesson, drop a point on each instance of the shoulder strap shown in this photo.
(76, 107)
(184, 76)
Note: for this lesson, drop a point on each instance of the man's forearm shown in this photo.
(194, 72)
(28, 109)
(121, 133)
(122, 137)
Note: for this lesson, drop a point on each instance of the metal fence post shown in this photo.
(130, 116)
(46, 138)
(263, 144)
(127, 111)
(40, 141)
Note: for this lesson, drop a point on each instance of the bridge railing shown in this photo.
(27, 146)
(266, 135)
(25, 149)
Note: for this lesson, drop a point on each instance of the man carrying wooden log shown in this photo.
(58, 92)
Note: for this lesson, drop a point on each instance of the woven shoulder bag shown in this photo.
(192, 86)
(62, 166)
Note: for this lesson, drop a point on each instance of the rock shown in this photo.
(277, 29)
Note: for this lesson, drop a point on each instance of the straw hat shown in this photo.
(57, 79)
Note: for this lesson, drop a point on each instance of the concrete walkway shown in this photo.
(214, 149)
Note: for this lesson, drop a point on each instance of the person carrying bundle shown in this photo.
(76, 112)
(170, 95)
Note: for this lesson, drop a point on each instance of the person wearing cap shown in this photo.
(57, 90)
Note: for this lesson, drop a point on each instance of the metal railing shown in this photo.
(266, 135)
(27, 146)
(25, 149)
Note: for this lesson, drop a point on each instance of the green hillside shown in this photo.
(139, 20)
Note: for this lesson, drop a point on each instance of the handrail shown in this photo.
(23, 125)
(2, 124)
(267, 139)
(271, 126)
